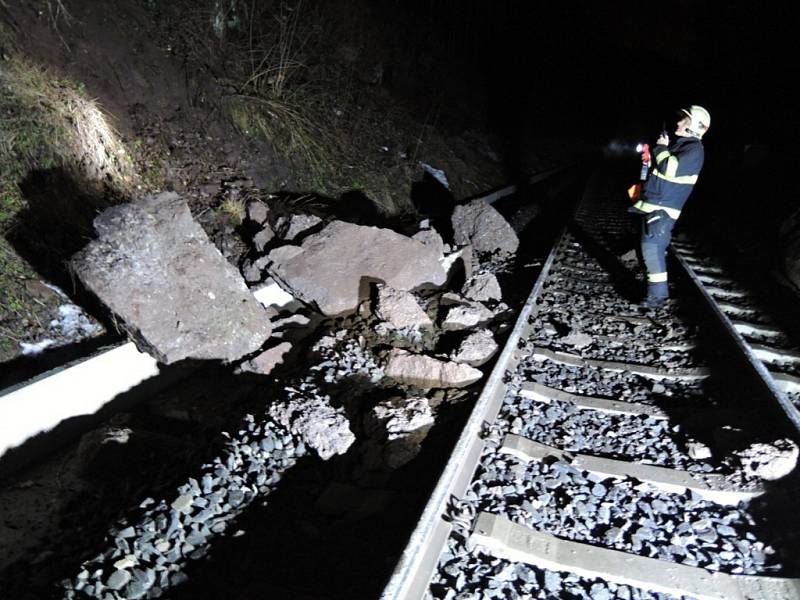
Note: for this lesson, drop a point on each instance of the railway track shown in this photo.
(614, 452)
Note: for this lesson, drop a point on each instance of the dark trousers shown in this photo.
(656, 235)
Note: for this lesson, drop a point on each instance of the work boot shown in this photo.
(654, 302)
(657, 295)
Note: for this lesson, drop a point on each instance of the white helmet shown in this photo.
(701, 120)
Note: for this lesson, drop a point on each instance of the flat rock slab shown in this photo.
(479, 224)
(331, 267)
(156, 269)
(400, 309)
(427, 372)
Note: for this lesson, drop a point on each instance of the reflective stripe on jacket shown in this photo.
(676, 169)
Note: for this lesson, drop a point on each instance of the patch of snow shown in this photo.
(74, 324)
(271, 294)
(35, 348)
(71, 325)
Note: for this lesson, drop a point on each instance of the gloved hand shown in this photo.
(663, 139)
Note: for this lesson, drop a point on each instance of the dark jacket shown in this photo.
(671, 181)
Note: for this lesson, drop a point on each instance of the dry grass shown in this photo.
(45, 123)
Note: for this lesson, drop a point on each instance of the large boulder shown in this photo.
(479, 224)
(427, 372)
(430, 237)
(155, 268)
(332, 268)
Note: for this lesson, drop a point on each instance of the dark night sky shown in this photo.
(602, 67)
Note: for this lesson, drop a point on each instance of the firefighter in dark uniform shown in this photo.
(677, 166)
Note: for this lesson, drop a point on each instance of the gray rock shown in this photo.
(432, 239)
(400, 309)
(479, 224)
(291, 226)
(263, 237)
(332, 267)
(320, 425)
(476, 349)
(482, 287)
(257, 211)
(466, 316)
(577, 339)
(118, 580)
(154, 266)
(426, 372)
(253, 270)
(183, 503)
(264, 363)
(462, 256)
(769, 461)
(402, 424)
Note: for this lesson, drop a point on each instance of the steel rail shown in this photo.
(754, 363)
(420, 557)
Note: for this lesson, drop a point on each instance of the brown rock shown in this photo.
(332, 267)
(426, 372)
(154, 266)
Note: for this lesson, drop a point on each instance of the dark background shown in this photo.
(593, 69)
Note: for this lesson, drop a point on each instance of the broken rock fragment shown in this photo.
(332, 267)
(479, 224)
(769, 461)
(257, 211)
(291, 226)
(466, 316)
(403, 423)
(482, 287)
(264, 363)
(400, 309)
(154, 266)
(476, 349)
(320, 425)
(427, 372)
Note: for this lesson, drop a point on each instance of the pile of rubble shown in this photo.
(409, 319)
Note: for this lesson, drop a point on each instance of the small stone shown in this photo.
(125, 563)
(599, 592)
(128, 532)
(118, 580)
(183, 503)
(552, 581)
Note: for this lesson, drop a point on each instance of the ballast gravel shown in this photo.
(591, 381)
(148, 552)
(565, 426)
(621, 514)
(466, 575)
